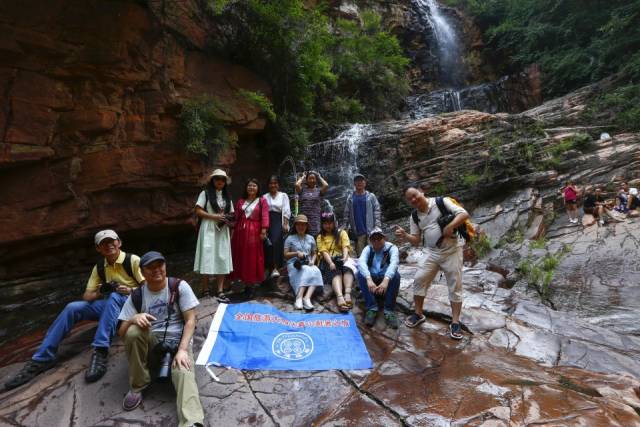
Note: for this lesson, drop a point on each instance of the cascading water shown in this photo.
(337, 161)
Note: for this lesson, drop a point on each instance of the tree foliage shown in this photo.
(575, 42)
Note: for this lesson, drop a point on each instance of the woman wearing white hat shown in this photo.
(213, 250)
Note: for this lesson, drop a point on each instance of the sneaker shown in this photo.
(414, 320)
(275, 274)
(306, 303)
(455, 331)
(132, 400)
(391, 319)
(298, 304)
(370, 318)
(97, 366)
(29, 371)
(601, 222)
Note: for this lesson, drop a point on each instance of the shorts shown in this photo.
(450, 263)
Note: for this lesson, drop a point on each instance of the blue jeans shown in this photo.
(390, 295)
(105, 311)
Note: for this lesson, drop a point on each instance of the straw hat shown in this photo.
(301, 218)
(220, 172)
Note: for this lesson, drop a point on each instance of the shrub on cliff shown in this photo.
(201, 131)
(320, 71)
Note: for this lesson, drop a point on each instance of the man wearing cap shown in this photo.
(361, 212)
(378, 276)
(114, 279)
(162, 311)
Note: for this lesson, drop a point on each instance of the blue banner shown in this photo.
(257, 336)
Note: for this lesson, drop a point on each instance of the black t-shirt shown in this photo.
(590, 200)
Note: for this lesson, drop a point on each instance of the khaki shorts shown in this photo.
(450, 264)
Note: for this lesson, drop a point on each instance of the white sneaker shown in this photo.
(274, 273)
(298, 304)
(307, 304)
(601, 222)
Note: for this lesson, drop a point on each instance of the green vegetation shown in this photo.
(539, 243)
(481, 245)
(260, 101)
(571, 385)
(201, 129)
(322, 71)
(621, 106)
(574, 42)
(439, 189)
(470, 180)
(539, 273)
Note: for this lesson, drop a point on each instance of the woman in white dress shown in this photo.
(213, 250)
(279, 213)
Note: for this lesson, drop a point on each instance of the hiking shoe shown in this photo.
(29, 371)
(275, 274)
(298, 304)
(392, 320)
(306, 303)
(97, 366)
(455, 331)
(370, 318)
(132, 400)
(414, 320)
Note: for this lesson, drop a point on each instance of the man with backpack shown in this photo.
(113, 278)
(378, 276)
(158, 321)
(436, 224)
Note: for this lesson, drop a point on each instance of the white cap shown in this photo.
(633, 191)
(105, 234)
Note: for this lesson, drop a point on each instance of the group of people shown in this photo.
(250, 241)
(601, 208)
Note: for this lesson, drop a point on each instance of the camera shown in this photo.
(228, 220)
(107, 288)
(166, 351)
(337, 260)
(299, 262)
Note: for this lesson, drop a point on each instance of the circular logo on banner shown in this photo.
(292, 345)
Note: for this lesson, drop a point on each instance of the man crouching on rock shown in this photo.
(158, 323)
(114, 277)
(444, 252)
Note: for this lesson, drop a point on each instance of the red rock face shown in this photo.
(90, 92)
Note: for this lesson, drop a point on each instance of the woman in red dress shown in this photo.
(252, 222)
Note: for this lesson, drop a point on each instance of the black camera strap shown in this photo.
(174, 294)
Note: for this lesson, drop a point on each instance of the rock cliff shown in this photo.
(90, 94)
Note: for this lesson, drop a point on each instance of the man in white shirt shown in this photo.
(444, 254)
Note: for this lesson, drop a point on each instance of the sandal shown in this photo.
(347, 299)
(343, 307)
(223, 298)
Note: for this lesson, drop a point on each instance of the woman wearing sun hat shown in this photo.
(300, 253)
(213, 250)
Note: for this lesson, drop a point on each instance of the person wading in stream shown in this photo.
(444, 248)
(113, 278)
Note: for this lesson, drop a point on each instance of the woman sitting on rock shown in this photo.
(252, 222)
(336, 266)
(310, 197)
(300, 253)
(213, 250)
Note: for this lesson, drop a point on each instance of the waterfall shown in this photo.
(452, 69)
(337, 161)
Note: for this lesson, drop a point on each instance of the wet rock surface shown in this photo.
(519, 364)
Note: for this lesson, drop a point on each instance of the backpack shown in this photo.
(174, 295)
(385, 258)
(466, 230)
(127, 265)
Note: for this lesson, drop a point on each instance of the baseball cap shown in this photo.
(358, 176)
(150, 257)
(105, 234)
(376, 230)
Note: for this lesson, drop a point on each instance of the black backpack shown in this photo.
(386, 256)
(461, 229)
(127, 265)
(174, 294)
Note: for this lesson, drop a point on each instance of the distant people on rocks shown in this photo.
(634, 203)
(279, 214)
(310, 198)
(300, 253)
(361, 212)
(444, 251)
(158, 321)
(595, 205)
(570, 196)
(111, 281)
(337, 267)
(249, 237)
(378, 276)
(622, 201)
(214, 209)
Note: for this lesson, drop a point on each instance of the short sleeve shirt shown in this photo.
(429, 228)
(155, 303)
(295, 243)
(326, 243)
(117, 273)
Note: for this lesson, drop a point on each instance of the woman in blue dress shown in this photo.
(300, 253)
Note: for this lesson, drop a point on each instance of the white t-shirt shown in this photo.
(279, 203)
(209, 208)
(155, 303)
(428, 224)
